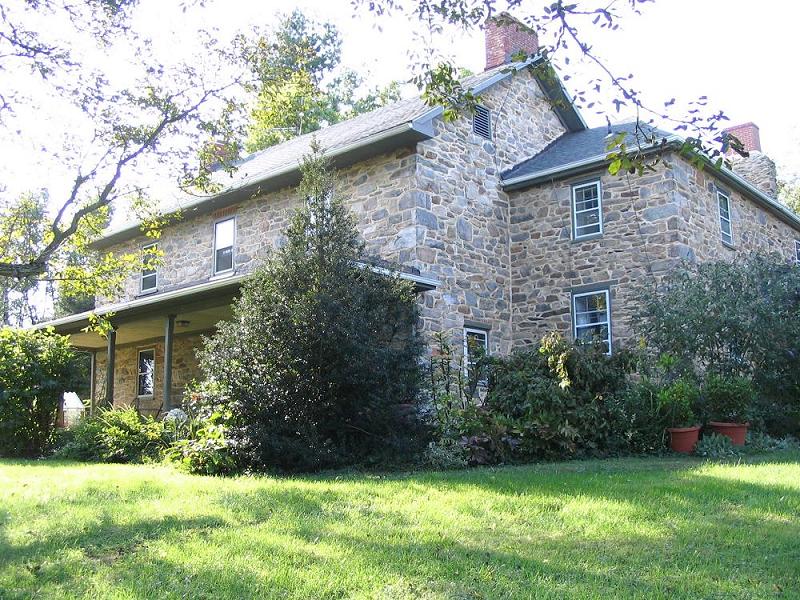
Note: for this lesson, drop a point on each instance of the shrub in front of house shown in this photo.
(320, 362)
(736, 320)
(555, 401)
(36, 368)
(114, 435)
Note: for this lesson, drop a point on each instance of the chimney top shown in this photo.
(506, 36)
(748, 134)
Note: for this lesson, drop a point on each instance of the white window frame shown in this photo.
(728, 219)
(488, 121)
(154, 274)
(139, 373)
(467, 332)
(797, 252)
(575, 211)
(575, 325)
(233, 247)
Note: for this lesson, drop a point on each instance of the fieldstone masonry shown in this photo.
(504, 261)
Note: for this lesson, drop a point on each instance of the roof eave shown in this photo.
(405, 134)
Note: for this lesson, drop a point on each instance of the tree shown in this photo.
(303, 56)
(789, 194)
(36, 368)
(739, 319)
(154, 124)
(321, 350)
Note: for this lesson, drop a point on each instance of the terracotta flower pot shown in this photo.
(683, 439)
(735, 431)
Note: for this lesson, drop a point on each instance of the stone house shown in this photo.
(506, 220)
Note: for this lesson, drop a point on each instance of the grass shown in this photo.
(629, 528)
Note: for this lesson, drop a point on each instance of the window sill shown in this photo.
(728, 245)
(145, 397)
(587, 238)
(222, 275)
(149, 292)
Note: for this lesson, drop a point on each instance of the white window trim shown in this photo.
(139, 373)
(575, 325)
(233, 248)
(729, 219)
(797, 252)
(488, 120)
(575, 211)
(153, 289)
(467, 331)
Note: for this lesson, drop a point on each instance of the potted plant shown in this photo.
(675, 406)
(728, 401)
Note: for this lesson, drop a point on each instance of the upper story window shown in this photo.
(725, 228)
(224, 238)
(146, 372)
(797, 251)
(476, 344)
(482, 122)
(149, 280)
(592, 317)
(587, 210)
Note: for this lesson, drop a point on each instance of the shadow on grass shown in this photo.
(699, 535)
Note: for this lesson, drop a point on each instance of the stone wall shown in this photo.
(651, 224)
(379, 191)
(184, 370)
(462, 217)
(755, 229)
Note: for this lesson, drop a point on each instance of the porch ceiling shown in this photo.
(151, 327)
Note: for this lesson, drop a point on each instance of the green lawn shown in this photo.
(638, 528)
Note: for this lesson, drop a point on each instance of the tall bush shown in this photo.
(563, 400)
(739, 319)
(321, 351)
(36, 368)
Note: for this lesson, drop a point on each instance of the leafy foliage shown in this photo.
(201, 442)
(36, 368)
(739, 319)
(728, 399)
(115, 435)
(714, 445)
(297, 91)
(321, 353)
(676, 402)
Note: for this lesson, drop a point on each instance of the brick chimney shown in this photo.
(748, 134)
(758, 168)
(505, 37)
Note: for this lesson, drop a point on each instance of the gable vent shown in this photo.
(482, 122)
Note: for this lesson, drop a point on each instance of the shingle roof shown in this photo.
(575, 147)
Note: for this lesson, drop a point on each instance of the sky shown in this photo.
(737, 53)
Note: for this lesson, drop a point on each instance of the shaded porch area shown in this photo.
(148, 358)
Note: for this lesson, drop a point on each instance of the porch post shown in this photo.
(110, 357)
(92, 381)
(169, 334)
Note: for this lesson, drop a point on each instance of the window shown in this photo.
(726, 231)
(592, 317)
(149, 274)
(476, 344)
(797, 251)
(587, 210)
(482, 122)
(224, 234)
(147, 369)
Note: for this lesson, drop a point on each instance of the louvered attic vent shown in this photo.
(482, 122)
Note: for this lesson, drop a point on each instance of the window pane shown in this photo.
(147, 364)
(149, 281)
(224, 260)
(587, 214)
(223, 234)
(592, 318)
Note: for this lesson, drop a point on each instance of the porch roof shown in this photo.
(201, 306)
